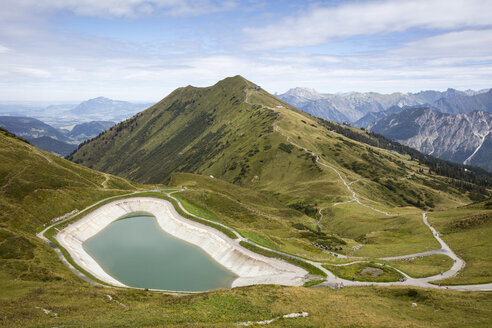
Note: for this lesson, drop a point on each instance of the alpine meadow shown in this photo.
(231, 202)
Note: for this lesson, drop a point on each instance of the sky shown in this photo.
(141, 50)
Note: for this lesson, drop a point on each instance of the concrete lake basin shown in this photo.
(248, 267)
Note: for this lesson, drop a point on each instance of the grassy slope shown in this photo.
(32, 277)
(217, 131)
(355, 271)
(35, 187)
(467, 231)
(229, 131)
(85, 306)
(255, 215)
(423, 266)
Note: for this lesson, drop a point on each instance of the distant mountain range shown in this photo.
(462, 138)
(102, 108)
(29, 128)
(66, 115)
(452, 125)
(46, 137)
(59, 128)
(353, 106)
(84, 131)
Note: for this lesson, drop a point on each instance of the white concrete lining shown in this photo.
(251, 268)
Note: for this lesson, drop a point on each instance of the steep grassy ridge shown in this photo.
(187, 131)
(229, 130)
(254, 140)
(35, 187)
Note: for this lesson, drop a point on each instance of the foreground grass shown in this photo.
(82, 305)
(354, 271)
(425, 266)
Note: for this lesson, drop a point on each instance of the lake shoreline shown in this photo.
(251, 268)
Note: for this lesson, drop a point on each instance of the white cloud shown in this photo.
(116, 8)
(48, 63)
(30, 72)
(321, 24)
(467, 45)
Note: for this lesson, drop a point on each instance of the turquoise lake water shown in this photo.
(137, 252)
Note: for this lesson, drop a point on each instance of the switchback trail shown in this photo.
(318, 160)
(331, 278)
(422, 282)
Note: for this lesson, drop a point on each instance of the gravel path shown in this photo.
(419, 282)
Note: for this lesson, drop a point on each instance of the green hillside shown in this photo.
(36, 187)
(239, 134)
(38, 290)
(300, 172)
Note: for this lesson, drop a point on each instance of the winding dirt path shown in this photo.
(331, 280)
(419, 282)
(37, 152)
(318, 160)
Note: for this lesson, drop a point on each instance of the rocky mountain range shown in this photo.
(462, 138)
(452, 125)
(353, 106)
(460, 103)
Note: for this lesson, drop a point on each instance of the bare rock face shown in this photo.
(364, 108)
(462, 138)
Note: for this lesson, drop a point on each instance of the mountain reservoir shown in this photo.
(144, 242)
(138, 253)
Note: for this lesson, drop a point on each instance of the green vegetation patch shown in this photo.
(469, 222)
(467, 231)
(312, 283)
(309, 267)
(423, 266)
(195, 209)
(365, 272)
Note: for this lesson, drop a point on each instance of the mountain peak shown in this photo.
(100, 98)
(303, 92)
(235, 80)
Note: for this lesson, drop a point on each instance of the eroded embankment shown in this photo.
(251, 268)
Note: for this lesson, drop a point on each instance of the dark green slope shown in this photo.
(188, 131)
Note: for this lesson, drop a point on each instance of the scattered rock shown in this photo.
(48, 312)
(266, 322)
(111, 299)
(371, 271)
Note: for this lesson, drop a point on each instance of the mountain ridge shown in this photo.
(451, 137)
(236, 131)
(354, 105)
